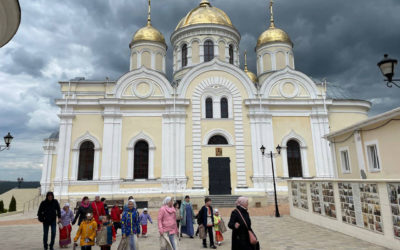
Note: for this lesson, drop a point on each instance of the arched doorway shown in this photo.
(294, 159)
(141, 160)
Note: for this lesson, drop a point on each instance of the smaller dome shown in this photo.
(205, 14)
(252, 76)
(148, 33)
(274, 35)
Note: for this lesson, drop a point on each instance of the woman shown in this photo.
(130, 225)
(188, 216)
(167, 226)
(83, 209)
(65, 231)
(240, 224)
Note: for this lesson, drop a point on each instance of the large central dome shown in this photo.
(205, 14)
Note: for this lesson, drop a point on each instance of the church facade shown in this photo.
(201, 132)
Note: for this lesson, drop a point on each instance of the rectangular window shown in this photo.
(373, 158)
(344, 155)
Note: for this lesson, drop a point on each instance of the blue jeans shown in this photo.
(46, 226)
(132, 243)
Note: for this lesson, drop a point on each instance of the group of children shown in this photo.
(90, 233)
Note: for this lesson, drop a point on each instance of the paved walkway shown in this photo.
(274, 233)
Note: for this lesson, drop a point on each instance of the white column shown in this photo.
(236, 56)
(273, 61)
(321, 147)
(201, 52)
(179, 59)
(163, 64)
(190, 55)
(304, 161)
(75, 164)
(216, 107)
(153, 60)
(359, 150)
(287, 58)
(139, 59)
(216, 50)
(110, 169)
(49, 149)
(285, 165)
(227, 52)
(64, 148)
(261, 64)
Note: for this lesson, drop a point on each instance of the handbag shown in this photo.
(202, 232)
(222, 227)
(123, 245)
(252, 236)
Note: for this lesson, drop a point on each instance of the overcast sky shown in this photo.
(341, 40)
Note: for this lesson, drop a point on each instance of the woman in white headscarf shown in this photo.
(65, 226)
(167, 225)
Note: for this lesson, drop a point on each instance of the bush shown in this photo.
(1, 207)
(13, 205)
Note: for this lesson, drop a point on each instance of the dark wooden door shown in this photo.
(294, 159)
(219, 173)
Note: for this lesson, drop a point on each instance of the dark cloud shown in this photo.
(339, 40)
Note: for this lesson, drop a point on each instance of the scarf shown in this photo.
(84, 205)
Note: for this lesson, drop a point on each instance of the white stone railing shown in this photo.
(365, 209)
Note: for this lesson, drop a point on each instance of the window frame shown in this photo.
(208, 50)
(231, 52)
(371, 165)
(79, 161)
(218, 144)
(347, 151)
(136, 159)
(227, 107)
(184, 56)
(206, 107)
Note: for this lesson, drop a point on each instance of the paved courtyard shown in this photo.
(274, 233)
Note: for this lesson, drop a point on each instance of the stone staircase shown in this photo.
(223, 200)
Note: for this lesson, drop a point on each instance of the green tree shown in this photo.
(1, 207)
(13, 205)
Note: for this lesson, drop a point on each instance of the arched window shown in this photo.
(231, 54)
(86, 161)
(294, 159)
(184, 56)
(208, 50)
(217, 140)
(209, 107)
(141, 160)
(224, 108)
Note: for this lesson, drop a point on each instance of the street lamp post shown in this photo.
(20, 180)
(387, 68)
(272, 155)
(7, 140)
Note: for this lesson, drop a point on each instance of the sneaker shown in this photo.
(204, 246)
(213, 247)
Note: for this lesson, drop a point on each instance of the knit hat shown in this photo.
(145, 209)
(216, 210)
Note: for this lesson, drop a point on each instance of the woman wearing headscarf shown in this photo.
(48, 212)
(187, 217)
(240, 224)
(83, 209)
(130, 225)
(167, 226)
(65, 228)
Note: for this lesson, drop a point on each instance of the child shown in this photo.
(178, 217)
(116, 216)
(106, 234)
(130, 224)
(143, 221)
(87, 232)
(217, 222)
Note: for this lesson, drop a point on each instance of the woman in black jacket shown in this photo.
(83, 209)
(240, 232)
(49, 211)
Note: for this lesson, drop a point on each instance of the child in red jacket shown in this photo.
(116, 216)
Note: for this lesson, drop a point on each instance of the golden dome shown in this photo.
(273, 34)
(250, 74)
(148, 33)
(205, 14)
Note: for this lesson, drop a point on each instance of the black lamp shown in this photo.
(387, 68)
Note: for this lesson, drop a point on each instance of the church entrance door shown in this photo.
(219, 174)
